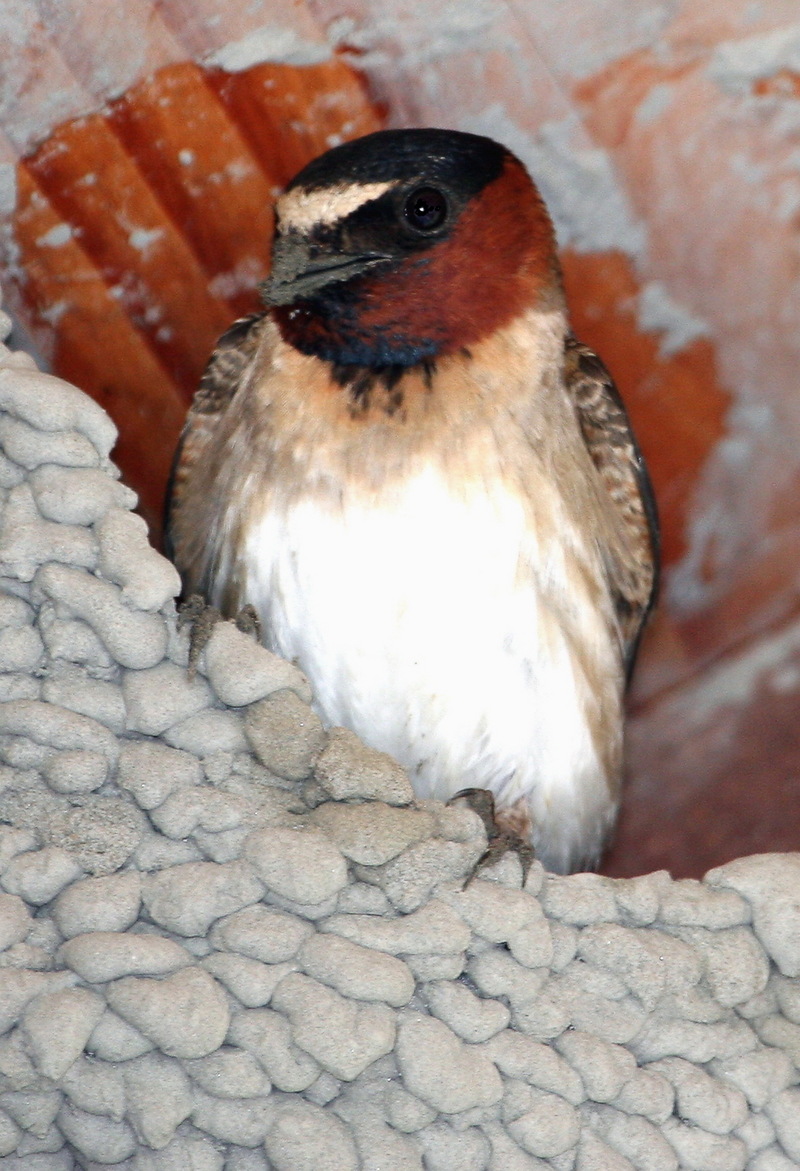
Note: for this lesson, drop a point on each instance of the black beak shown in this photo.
(301, 267)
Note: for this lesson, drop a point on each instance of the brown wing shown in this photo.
(218, 385)
(612, 446)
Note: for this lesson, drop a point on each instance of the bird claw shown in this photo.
(500, 841)
(201, 618)
(248, 621)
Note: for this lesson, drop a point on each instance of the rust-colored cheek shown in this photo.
(499, 260)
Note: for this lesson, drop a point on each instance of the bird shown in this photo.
(427, 489)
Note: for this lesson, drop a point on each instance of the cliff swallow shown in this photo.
(427, 488)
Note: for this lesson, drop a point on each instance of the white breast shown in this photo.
(442, 630)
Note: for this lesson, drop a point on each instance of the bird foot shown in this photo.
(502, 838)
(201, 618)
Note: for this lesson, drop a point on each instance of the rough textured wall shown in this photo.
(229, 938)
(664, 139)
(140, 148)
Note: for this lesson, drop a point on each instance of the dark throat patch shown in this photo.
(379, 388)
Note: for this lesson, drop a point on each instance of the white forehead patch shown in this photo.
(303, 210)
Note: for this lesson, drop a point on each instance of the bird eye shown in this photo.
(425, 209)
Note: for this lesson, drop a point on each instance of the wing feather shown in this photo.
(221, 380)
(607, 433)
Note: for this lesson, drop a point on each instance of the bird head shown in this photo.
(406, 245)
